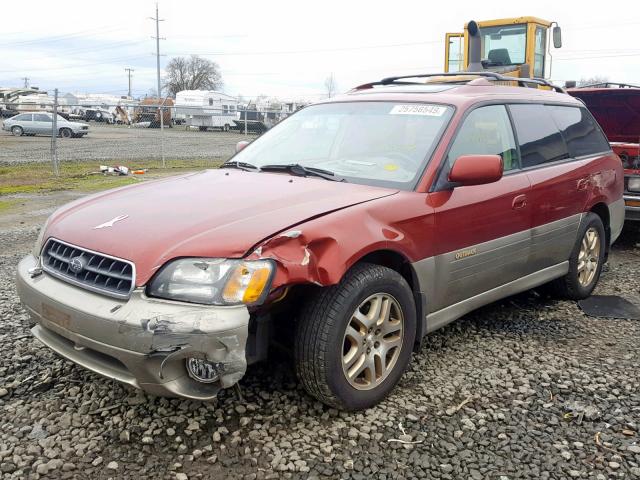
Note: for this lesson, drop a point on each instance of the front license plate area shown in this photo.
(56, 316)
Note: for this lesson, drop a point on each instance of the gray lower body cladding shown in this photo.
(140, 341)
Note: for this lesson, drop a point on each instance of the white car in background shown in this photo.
(40, 123)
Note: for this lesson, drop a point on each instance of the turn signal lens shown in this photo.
(247, 284)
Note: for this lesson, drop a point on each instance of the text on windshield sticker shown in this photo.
(428, 110)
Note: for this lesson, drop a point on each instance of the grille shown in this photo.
(91, 270)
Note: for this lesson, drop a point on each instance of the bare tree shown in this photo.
(330, 85)
(583, 82)
(192, 73)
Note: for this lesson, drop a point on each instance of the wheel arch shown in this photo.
(400, 263)
(602, 210)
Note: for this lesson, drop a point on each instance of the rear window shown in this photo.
(580, 130)
(539, 138)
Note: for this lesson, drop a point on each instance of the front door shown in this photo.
(484, 230)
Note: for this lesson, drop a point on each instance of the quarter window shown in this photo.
(486, 131)
(580, 130)
(539, 138)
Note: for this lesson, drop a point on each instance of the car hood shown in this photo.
(216, 213)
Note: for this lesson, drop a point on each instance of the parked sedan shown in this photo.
(41, 124)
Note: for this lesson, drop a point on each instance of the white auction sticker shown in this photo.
(418, 109)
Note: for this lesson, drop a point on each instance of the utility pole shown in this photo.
(54, 135)
(160, 103)
(129, 70)
(26, 82)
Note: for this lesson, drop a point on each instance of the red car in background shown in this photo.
(347, 233)
(616, 106)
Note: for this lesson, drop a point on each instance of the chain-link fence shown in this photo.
(83, 139)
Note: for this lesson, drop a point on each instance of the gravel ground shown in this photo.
(118, 142)
(525, 388)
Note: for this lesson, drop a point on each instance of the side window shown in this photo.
(580, 130)
(539, 138)
(538, 54)
(486, 131)
(210, 101)
(23, 117)
(41, 117)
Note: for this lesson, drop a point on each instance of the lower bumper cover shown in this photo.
(141, 341)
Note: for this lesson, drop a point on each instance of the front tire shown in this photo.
(354, 340)
(17, 131)
(585, 262)
(66, 133)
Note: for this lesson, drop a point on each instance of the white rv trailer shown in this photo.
(18, 100)
(207, 109)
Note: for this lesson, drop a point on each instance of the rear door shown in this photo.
(483, 230)
(553, 141)
(42, 123)
(26, 122)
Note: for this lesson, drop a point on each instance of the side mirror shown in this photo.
(557, 37)
(240, 145)
(476, 169)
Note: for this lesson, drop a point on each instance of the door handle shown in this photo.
(519, 202)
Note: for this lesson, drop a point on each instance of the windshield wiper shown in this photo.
(247, 167)
(302, 171)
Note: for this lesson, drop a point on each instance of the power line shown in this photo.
(321, 50)
(57, 38)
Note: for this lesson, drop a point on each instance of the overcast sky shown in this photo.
(287, 48)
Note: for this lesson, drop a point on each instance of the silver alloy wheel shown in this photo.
(589, 257)
(372, 341)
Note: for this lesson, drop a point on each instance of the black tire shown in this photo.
(66, 133)
(225, 128)
(569, 286)
(17, 131)
(320, 336)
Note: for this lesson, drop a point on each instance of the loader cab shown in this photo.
(517, 47)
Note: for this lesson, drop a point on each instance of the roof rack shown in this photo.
(609, 85)
(484, 74)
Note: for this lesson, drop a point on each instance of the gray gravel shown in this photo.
(124, 144)
(525, 388)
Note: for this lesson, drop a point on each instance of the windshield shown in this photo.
(373, 143)
(503, 45)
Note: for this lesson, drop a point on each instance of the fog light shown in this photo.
(203, 371)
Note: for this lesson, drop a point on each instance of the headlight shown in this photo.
(213, 281)
(634, 184)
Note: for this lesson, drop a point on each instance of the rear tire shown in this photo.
(585, 262)
(17, 131)
(354, 340)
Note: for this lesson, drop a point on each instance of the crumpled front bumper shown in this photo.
(140, 341)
